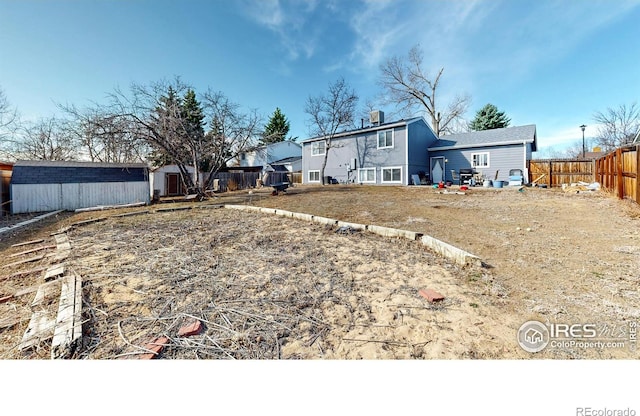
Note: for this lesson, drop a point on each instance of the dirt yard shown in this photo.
(268, 287)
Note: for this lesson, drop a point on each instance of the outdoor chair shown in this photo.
(455, 177)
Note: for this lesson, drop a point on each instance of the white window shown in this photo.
(385, 139)
(480, 160)
(367, 175)
(314, 176)
(318, 148)
(392, 175)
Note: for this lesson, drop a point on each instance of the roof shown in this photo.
(47, 172)
(368, 129)
(287, 160)
(494, 137)
(78, 164)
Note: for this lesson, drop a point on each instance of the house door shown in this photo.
(437, 169)
(172, 185)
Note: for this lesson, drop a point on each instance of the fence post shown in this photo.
(638, 174)
(619, 173)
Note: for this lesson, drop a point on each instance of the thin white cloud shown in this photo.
(288, 19)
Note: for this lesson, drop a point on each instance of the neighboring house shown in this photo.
(166, 181)
(291, 164)
(487, 152)
(257, 159)
(382, 153)
(5, 181)
(38, 186)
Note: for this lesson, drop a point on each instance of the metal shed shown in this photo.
(38, 186)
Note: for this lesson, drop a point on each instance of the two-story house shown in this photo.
(396, 153)
(382, 153)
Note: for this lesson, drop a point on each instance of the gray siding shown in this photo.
(71, 196)
(501, 159)
(420, 138)
(364, 148)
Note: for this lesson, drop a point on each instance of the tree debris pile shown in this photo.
(262, 290)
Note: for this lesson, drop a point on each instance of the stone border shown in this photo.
(446, 250)
(31, 221)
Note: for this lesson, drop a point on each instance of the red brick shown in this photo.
(431, 295)
(192, 328)
(156, 346)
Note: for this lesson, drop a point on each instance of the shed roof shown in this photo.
(494, 137)
(42, 172)
(78, 164)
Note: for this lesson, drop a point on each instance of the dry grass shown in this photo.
(268, 287)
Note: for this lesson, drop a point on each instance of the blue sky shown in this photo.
(544, 62)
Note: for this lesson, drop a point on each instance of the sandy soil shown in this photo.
(269, 287)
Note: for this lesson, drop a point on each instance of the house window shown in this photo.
(385, 139)
(367, 175)
(314, 176)
(392, 175)
(243, 156)
(480, 160)
(318, 148)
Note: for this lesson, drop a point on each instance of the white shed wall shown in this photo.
(71, 196)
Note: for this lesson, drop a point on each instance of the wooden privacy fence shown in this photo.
(618, 172)
(556, 172)
(234, 181)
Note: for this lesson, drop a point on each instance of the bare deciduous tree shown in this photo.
(103, 137)
(231, 133)
(409, 87)
(617, 126)
(330, 113)
(155, 114)
(8, 120)
(46, 140)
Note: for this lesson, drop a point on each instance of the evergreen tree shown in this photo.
(488, 117)
(276, 129)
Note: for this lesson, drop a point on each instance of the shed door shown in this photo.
(437, 169)
(173, 184)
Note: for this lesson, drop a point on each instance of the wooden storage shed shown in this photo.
(39, 186)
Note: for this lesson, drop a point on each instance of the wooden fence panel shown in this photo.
(618, 172)
(235, 181)
(561, 171)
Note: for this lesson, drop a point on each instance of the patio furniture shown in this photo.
(515, 177)
(455, 177)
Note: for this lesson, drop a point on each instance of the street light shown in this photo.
(583, 150)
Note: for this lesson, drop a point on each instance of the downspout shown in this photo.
(525, 171)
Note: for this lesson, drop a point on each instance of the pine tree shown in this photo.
(276, 129)
(488, 117)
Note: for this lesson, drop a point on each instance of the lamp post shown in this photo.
(583, 150)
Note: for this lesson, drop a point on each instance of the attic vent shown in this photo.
(376, 117)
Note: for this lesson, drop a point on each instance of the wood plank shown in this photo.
(26, 243)
(32, 289)
(68, 329)
(638, 174)
(53, 272)
(61, 238)
(32, 250)
(45, 294)
(619, 173)
(23, 273)
(40, 329)
(29, 260)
